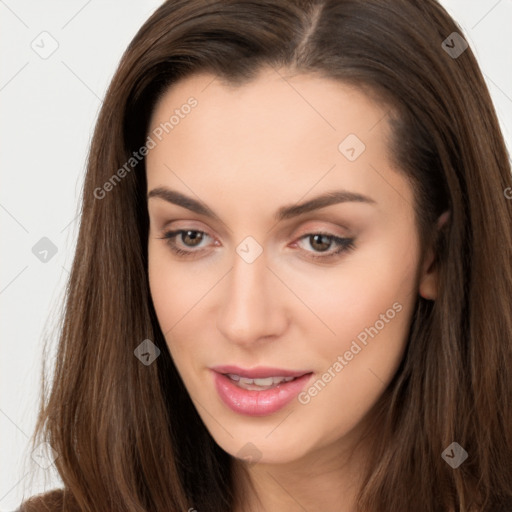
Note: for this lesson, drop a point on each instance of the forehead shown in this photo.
(290, 133)
(304, 104)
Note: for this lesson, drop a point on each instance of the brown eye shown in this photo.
(320, 242)
(325, 246)
(191, 238)
(186, 242)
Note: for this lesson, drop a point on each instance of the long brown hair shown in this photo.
(127, 435)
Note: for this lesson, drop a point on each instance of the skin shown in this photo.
(245, 152)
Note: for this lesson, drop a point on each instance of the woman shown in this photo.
(292, 287)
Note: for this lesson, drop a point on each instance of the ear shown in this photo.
(429, 273)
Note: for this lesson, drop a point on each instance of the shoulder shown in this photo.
(56, 500)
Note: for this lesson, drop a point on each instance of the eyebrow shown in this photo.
(284, 213)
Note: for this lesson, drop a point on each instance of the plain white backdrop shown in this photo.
(57, 60)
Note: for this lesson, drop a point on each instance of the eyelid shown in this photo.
(325, 228)
(182, 224)
(165, 220)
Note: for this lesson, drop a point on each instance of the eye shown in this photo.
(321, 246)
(325, 245)
(182, 239)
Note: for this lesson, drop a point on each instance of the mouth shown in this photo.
(257, 384)
(259, 391)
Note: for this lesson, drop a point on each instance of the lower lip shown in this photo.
(258, 403)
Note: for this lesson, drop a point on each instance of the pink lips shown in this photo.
(254, 402)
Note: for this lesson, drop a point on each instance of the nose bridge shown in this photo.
(249, 308)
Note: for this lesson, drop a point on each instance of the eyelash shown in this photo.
(344, 244)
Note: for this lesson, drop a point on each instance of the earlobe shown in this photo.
(428, 286)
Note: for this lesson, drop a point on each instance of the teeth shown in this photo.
(258, 384)
(264, 382)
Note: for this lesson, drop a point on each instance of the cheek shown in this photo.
(176, 287)
(173, 296)
(181, 293)
(359, 298)
(164, 285)
(369, 305)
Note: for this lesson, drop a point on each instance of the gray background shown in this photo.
(49, 107)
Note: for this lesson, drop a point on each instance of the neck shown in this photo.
(327, 479)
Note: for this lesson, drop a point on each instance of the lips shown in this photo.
(260, 372)
(258, 391)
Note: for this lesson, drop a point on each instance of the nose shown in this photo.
(251, 308)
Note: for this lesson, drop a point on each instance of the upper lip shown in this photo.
(258, 372)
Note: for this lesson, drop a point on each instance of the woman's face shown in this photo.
(282, 244)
